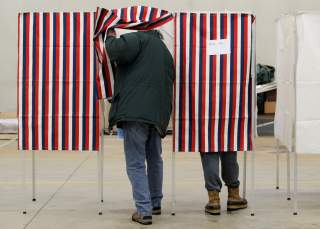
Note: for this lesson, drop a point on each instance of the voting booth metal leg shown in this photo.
(173, 184)
(100, 183)
(244, 182)
(23, 170)
(33, 176)
(277, 164)
(23, 182)
(254, 120)
(100, 175)
(288, 176)
(295, 184)
(100, 160)
(294, 139)
(102, 151)
(252, 182)
(102, 166)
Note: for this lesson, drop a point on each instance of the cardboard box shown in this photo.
(271, 95)
(269, 107)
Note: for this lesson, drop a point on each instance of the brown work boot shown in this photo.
(144, 220)
(213, 206)
(235, 202)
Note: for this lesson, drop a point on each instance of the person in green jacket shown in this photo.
(141, 106)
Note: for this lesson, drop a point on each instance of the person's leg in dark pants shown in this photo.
(135, 139)
(210, 164)
(155, 169)
(230, 169)
(230, 176)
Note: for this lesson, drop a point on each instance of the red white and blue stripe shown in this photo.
(212, 93)
(134, 18)
(57, 93)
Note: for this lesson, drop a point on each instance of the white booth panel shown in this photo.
(298, 78)
(284, 116)
(308, 138)
(308, 101)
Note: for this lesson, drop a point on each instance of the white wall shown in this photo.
(266, 11)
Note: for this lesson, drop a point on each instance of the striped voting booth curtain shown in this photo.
(134, 18)
(57, 93)
(213, 87)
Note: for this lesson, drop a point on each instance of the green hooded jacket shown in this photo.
(143, 82)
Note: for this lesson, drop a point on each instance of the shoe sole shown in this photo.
(156, 213)
(213, 212)
(236, 207)
(142, 222)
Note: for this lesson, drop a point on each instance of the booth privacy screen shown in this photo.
(57, 99)
(297, 117)
(63, 68)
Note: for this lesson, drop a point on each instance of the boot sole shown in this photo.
(236, 207)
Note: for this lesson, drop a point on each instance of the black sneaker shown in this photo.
(144, 220)
(156, 211)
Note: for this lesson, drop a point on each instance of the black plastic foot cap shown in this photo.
(295, 213)
(101, 201)
(277, 187)
(24, 212)
(252, 214)
(173, 213)
(100, 213)
(288, 198)
(34, 199)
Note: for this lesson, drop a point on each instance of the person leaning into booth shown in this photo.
(141, 106)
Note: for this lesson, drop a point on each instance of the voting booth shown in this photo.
(297, 118)
(214, 97)
(64, 70)
(57, 94)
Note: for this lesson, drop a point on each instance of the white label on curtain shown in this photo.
(218, 47)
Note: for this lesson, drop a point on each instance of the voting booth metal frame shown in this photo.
(294, 194)
(291, 194)
(293, 149)
(288, 170)
(100, 169)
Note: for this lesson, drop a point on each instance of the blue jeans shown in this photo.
(142, 143)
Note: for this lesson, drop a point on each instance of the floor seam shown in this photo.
(56, 192)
